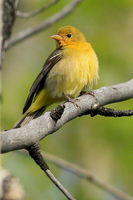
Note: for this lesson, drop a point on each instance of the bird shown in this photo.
(70, 69)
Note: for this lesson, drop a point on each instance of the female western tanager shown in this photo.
(71, 68)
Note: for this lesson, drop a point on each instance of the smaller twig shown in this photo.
(34, 152)
(59, 185)
(35, 12)
(16, 3)
(85, 174)
(45, 24)
(109, 112)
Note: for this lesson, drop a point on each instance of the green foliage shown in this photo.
(102, 145)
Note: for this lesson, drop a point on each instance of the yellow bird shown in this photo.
(70, 69)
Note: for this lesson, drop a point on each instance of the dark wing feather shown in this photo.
(39, 81)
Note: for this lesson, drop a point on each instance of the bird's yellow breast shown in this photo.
(76, 71)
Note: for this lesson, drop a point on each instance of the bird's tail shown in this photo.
(27, 117)
(34, 150)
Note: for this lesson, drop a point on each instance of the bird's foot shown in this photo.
(73, 101)
(91, 93)
(87, 92)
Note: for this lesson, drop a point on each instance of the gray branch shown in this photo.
(86, 174)
(41, 127)
(44, 25)
(1, 32)
(7, 17)
(59, 185)
(35, 12)
(83, 174)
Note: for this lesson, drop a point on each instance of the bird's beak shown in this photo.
(56, 37)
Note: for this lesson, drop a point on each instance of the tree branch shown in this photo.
(16, 4)
(38, 28)
(7, 17)
(41, 127)
(59, 185)
(1, 33)
(109, 112)
(34, 152)
(85, 174)
(35, 12)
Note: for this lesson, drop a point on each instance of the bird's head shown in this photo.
(67, 35)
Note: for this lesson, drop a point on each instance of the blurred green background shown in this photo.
(102, 145)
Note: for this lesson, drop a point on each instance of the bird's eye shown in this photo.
(69, 35)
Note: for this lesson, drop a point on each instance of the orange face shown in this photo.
(68, 35)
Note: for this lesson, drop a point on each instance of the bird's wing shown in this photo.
(39, 81)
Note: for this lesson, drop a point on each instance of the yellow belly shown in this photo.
(76, 71)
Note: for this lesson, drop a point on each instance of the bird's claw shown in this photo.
(91, 93)
(87, 92)
(73, 101)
